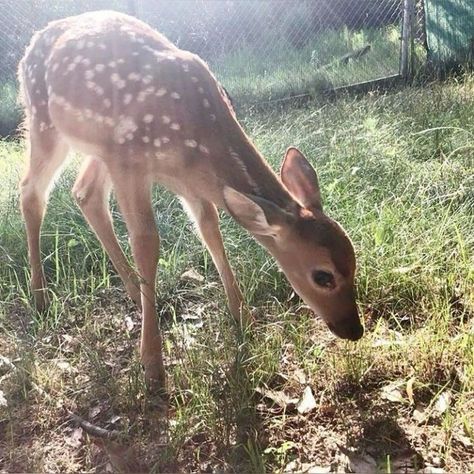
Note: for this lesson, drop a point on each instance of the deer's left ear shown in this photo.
(300, 179)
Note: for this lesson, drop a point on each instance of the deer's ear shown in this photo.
(300, 179)
(259, 216)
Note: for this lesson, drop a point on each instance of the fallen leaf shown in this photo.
(192, 276)
(419, 414)
(75, 438)
(129, 324)
(278, 397)
(113, 419)
(307, 402)
(433, 470)
(3, 400)
(392, 393)
(409, 390)
(300, 376)
(95, 411)
(443, 402)
(64, 365)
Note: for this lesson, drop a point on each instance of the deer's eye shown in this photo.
(323, 279)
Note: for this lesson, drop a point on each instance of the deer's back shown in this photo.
(115, 87)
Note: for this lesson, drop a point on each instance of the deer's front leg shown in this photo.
(133, 191)
(207, 219)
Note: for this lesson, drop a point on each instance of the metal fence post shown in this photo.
(407, 34)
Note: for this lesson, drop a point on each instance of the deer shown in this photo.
(143, 112)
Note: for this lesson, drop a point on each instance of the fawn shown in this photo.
(146, 112)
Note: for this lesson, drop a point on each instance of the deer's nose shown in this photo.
(350, 328)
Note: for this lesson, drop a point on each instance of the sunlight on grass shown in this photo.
(397, 171)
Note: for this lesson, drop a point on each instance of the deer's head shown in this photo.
(313, 250)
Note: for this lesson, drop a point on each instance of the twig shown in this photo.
(94, 430)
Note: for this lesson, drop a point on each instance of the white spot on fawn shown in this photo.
(161, 92)
(175, 126)
(157, 142)
(146, 139)
(133, 76)
(175, 95)
(206, 103)
(204, 149)
(194, 79)
(148, 118)
(89, 74)
(99, 67)
(165, 119)
(127, 98)
(191, 143)
(124, 128)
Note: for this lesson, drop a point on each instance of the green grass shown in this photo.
(277, 70)
(397, 171)
(9, 110)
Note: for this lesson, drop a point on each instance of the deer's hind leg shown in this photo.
(47, 152)
(133, 192)
(91, 192)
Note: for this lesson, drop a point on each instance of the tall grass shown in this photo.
(397, 171)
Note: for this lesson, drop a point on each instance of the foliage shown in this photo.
(397, 170)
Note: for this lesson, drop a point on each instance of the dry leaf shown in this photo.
(279, 397)
(64, 365)
(307, 402)
(443, 402)
(409, 390)
(192, 276)
(75, 438)
(300, 376)
(3, 400)
(392, 393)
(433, 470)
(129, 324)
(419, 414)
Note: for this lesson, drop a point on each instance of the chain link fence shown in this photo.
(261, 51)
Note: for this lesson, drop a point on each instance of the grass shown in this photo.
(397, 171)
(283, 70)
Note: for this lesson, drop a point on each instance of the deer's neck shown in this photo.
(247, 171)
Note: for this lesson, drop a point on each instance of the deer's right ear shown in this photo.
(258, 215)
(300, 179)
